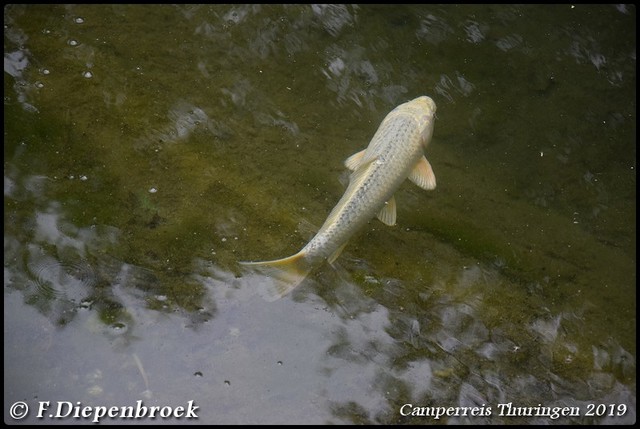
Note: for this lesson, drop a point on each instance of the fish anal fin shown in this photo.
(331, 259)
(354, 161)
(422, 175)
(387, 214)
(306, 229)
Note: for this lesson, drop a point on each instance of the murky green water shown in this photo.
(148, 149)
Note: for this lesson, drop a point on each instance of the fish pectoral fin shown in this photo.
(422, 175)
(354, 161)
(331, 259)
(387, 214)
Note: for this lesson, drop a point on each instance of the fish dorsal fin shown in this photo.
(387, 214)
(422, 175)
(356, 180)
(353, 162)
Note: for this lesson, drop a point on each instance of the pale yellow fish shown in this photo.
(396, 152)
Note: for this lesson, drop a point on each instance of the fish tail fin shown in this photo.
(286, 274)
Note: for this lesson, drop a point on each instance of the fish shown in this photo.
(395, 153)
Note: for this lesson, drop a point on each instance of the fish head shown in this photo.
(423, 110)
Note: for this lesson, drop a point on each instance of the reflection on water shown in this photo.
(148, 149)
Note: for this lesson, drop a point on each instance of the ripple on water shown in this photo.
(62, 280)
(118, 328)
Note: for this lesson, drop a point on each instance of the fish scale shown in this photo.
(395, 153)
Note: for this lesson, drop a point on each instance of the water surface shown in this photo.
(148, 149)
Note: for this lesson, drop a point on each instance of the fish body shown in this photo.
(395, 153)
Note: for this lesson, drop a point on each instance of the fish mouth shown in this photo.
(426, 103)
